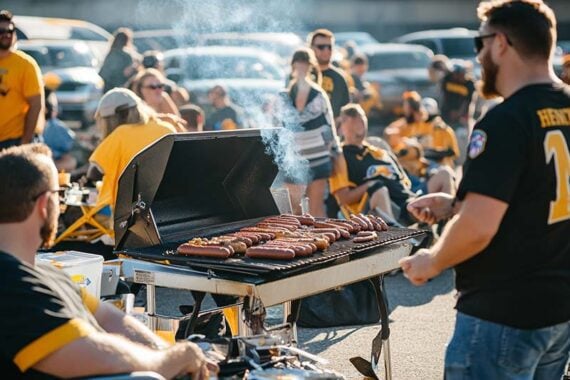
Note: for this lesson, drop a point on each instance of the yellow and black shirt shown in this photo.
(456, 98)
(41, 311)
(519, 154)
(334, 84)
(359, 164)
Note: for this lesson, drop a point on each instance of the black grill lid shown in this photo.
(191, 181)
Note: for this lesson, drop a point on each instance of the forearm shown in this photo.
(349, 196)
(101, 353)
(31, 122)
(461, 240)
(115, 321)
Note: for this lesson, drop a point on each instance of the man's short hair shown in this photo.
(319, 33)
(24, 176)
(353, 110)
(530, 25)
(6, 16)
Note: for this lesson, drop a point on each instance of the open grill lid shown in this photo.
(190, 181)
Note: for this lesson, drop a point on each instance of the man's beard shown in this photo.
(488, 86)
(5, 43)
(323, 62)
(49, 229)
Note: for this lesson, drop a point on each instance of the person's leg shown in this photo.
(316, 193)
(442, 181)
(484, 350)
(296, 193)
(381, 199)
(554, 362)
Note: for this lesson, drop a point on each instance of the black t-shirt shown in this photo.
(226, 118)
(519, 154)
(336, 88)
(456, 97)
(41, 311)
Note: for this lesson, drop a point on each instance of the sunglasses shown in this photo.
(59, 191)
(155, 86)
(6, 31)
(323, 47)
(478, 41)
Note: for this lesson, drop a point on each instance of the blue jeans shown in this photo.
(484, 350)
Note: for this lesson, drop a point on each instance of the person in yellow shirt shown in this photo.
(128, 127)
(21, 89)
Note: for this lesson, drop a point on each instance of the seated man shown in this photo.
(366, 177)
(128, 127)
(52, 328)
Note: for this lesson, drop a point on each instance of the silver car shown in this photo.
(74, 63)
(397, 68)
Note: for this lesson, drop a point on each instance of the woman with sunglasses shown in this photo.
(149, 85)
(306, 111)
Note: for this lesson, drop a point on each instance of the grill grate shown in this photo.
(264, 267)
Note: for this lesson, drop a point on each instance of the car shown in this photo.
(397, 68)
(454, 43)
(251, 76)
(359, 38)
(74, 64)
(281, 44)
(162, 39)
(45, 28)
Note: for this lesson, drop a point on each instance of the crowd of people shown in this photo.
(407, 175)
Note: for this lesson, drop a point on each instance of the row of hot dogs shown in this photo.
(285, 237)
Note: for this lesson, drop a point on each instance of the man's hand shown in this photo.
(420, 267)
(432, 208)
(199, 366)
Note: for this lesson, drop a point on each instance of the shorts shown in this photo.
(322, 171)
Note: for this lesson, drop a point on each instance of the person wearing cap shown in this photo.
(21, 89)
(226, 115)
(127, 126)
(457, 96)
(566, 69)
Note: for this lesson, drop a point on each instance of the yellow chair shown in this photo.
(86, 227)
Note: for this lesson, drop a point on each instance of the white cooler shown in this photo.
(84, 269)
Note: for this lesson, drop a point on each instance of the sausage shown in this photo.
(366, 233)
(363, 239)
(380, 221)
(320, 243)
(357, 219)
(248, 242)
(247, 235)
(338, 223)
(339, 232)
(276, 225)
(204, 250)
(305, 220)
(283, 220)
(278, 253)
(320, 224)
(330, 236)
(300, 249)
(272, 227)
(262, 232)
(354, 224)
(367, 220)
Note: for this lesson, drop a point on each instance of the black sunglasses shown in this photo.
(6, 31)
(155, 86)
(59, 191)
(323, 47)
(478, 41)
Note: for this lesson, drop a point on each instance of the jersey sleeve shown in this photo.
(32, 83)
(36, 321)
(339, 179)
(497, 153)
(106, 153)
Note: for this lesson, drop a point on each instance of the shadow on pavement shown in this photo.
(402, 293)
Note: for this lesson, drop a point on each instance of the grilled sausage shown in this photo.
(204, 250)
(276, 225)
(320, 243)
(306, 220)
(339, 232)
(284, 220)
(380, 221)
(248, 242)
(367, 220)
(363, 239)
(277, 253)
(300, 249)
(366, 233)
(247, 235)
(355, 218)
(339, 223)
(264, 233)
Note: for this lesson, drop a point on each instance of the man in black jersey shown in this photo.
(508, 239)
(333, 81)
(50, 327)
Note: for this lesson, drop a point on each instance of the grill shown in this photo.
(339, 250)
(209, 184)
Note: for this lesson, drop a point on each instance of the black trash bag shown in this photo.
(212, 325)
(353, 304)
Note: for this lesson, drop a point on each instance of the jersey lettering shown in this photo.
(556, 149)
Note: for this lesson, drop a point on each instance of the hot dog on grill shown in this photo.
(276, 253)
(204, 250)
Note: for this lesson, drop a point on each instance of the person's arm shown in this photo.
(105, 354)
(347, 195)
(33, 117)
(115, 321)
(167, 105)
(467, 234)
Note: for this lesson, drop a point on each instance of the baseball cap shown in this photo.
(116, 99)
(430, 105)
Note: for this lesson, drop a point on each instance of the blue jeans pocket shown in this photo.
(458, 354)
(519, 349)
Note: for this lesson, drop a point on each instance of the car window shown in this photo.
(458, 47)
(282, 49)
(398, 60)
(79, 33)
(61, 56)
(214, 67)
(430, 44)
